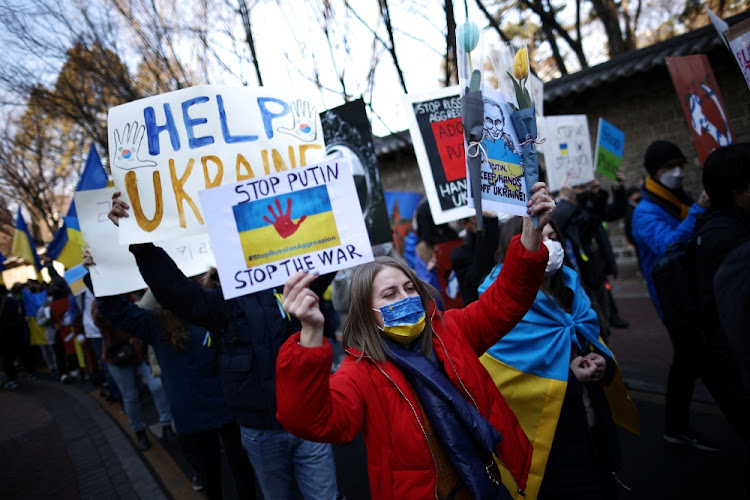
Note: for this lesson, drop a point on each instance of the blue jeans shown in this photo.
(279, 458)
(126, 378)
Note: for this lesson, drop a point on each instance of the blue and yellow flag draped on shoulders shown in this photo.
(67, 245)
(530, 367)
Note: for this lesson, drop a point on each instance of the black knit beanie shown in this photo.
(659, 154)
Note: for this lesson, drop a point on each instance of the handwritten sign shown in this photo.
(738, 38)
(503, 185)
(116, 270)
(610, 142)
(567, 151)
(438, 138)
(264, 230)
(166, 148)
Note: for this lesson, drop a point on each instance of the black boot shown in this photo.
(168, 435)
(143, 442)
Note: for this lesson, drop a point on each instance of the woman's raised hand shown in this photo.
(541, 204)
(119, 209)
(88, 259)
(302, 303)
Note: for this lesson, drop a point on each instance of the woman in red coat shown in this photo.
(434, 423)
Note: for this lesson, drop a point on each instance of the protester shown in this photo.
(44, 320)
(249, 331)
(109, 389)
(666, 216)
(13, 341)
(558, 342)
(472, 260)
(125, 358)
(724, 227)
(427, 230)
(186, 357)
(408, 379)
(581, 215)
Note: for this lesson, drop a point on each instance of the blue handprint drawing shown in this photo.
(128, 146)
(305, 121)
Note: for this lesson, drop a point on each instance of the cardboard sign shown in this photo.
(567, 151)
(610, 142)
(116, 271)
(503, 185)
(738, 39)
(166, 148)
(701, 102)
(264, 230)
(347, 133)
(438, 138)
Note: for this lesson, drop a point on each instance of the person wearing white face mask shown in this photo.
(666, 216)
(551, 369)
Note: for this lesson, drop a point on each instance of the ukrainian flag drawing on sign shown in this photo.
(564, 148)
(284, 226)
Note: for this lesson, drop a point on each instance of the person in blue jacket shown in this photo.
(187, 359)
(248, 332)
(666, 216)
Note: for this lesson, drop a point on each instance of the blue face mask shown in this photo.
(403, 320)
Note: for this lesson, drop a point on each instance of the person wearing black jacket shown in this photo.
(474, 258)
(249, 331)
(580, 215)
(722, 228)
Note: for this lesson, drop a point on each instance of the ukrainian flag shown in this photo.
(564, 148)
(285, 226)
(66, 246)
(23, 244)
(530, 366)
(31, 304)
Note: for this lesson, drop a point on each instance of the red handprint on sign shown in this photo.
(283, 221)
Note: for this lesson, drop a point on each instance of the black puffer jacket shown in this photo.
(249, 330)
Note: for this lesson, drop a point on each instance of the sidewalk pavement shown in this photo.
(56, 441)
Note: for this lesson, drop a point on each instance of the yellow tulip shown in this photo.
(521, 64)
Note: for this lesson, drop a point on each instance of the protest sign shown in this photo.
(701, 102)
(503, 185)
(74, 278)
(567, 151)
(116, 270)
(347, 134)
(610, 142)
(166, 148)
(738, 38)
(264, 230)
(438, 138)
(401, 209)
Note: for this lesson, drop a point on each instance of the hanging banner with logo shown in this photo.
(347, 134)
(701, 102)
(610, 142)
(164, 149)
(264, 230)
(438, 138)
(567, 151)
(116, 271)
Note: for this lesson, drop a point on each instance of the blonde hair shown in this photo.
(360, 330)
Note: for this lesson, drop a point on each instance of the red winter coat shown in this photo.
(375, 397)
